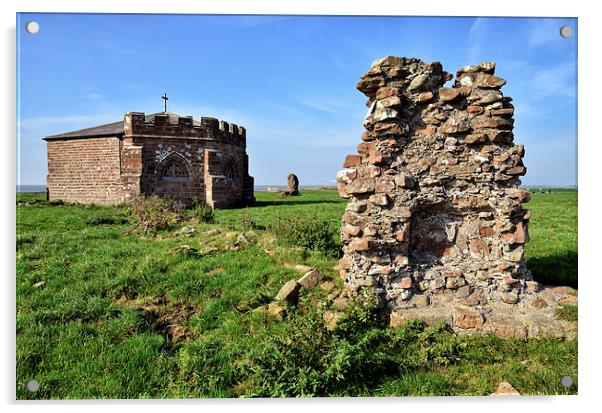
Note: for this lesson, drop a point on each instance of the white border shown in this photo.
(589, 184)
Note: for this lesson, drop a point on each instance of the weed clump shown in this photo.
(202, 211)
(309, 359)
(568, 312)
(155, 213)
(307, 231)
(246, 222)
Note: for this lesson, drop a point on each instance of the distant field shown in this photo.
(124, 315)
(552, 251)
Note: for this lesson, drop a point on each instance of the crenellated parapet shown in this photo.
(168, 125)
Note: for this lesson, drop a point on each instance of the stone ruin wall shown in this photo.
(435, 215)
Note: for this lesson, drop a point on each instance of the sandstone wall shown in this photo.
(435, 211)
(212, 153)
(215, 169)
(110, 170)
(85, 170)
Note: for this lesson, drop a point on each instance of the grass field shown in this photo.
(128, 315)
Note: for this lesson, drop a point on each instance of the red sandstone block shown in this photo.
(376, 157)
(486, 231)
(517, 170)
(520, 235)
(474, 109)
(406, 282)
(403, 235)
(351, 161)
(502, 112)
(465, 317)
(487, 122)
(478, 246)
(386, 186)
(365, 148)
(361, 245)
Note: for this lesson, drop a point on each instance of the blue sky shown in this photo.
(290, 80)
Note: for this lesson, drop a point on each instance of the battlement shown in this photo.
(170, 124)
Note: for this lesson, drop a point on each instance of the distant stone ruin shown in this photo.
(293, 186)
(435, 226)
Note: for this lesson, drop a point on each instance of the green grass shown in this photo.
(104, 323)
(552, 252)
(568, 312)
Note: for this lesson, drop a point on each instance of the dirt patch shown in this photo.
(165, 317)
(215, 271)
(171, 321)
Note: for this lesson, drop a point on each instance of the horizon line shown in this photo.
(334, 185)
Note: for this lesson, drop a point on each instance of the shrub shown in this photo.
(309, 360)
(202, 211)
(305, 358)
(439, 348)
(155, 213)
(310, 232)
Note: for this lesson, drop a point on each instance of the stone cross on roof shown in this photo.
(165, 98)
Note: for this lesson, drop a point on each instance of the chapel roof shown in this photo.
(112, 129)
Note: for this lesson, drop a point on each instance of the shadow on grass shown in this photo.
(559, 269)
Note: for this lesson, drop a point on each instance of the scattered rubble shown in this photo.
(289, 292)
(311, 278)
(186, 231)
(505, 389)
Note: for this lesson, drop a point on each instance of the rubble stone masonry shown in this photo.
(435, 227)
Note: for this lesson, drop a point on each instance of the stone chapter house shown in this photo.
(160, 154)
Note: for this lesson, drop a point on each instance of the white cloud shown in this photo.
(34, 128)
(94, 96)
(478, 30)
(315, 137)
(525, 110)
(555, 81)
(299, 130)
(325, 104)
(552, 161)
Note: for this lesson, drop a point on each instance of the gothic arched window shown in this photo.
(229, 170)
(174, 171)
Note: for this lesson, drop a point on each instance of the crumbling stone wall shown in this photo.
(435, 216)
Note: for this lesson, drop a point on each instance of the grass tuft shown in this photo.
(567, 312)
